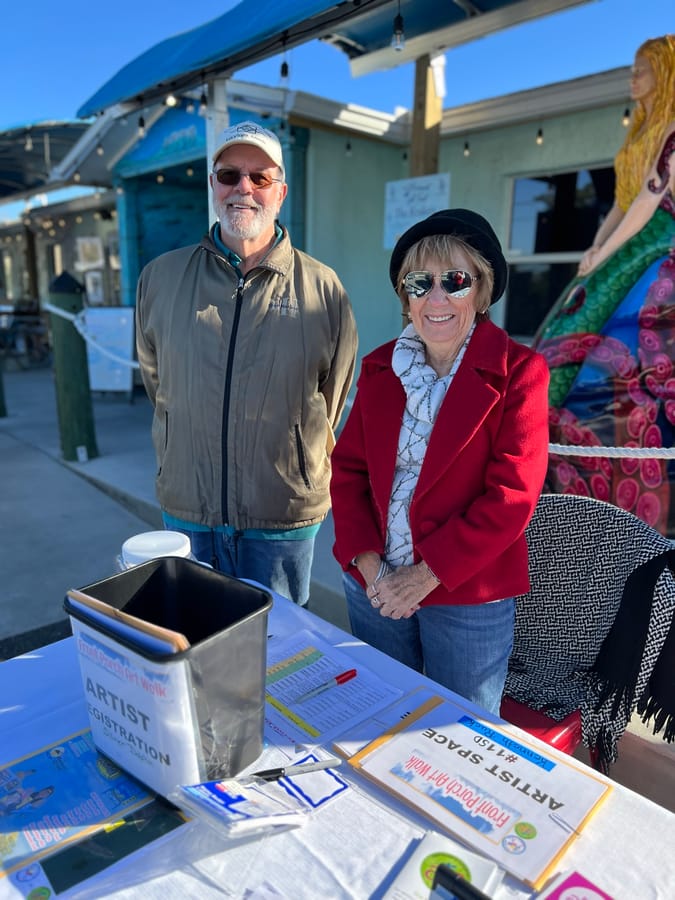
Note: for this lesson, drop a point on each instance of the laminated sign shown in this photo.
(141, 712)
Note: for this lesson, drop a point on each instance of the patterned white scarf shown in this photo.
(424, 391)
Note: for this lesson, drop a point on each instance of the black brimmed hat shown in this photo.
(465, 224)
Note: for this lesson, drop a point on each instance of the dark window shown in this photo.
(533, 289)
(552, 214)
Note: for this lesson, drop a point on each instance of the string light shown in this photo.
(539, 140)
(348, 148)
(160, 179)
(171, 100)
(190, 107)
(467, 149)
(283, 73)
(76, 176)
(625, 121)
(189, 171)
(28, 146)
(398, 36)
(141, 127)
(203, 104)
(99, 150)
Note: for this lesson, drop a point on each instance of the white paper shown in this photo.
(297, 664)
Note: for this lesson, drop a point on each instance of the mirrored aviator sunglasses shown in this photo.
(232, 177)
(455, 282)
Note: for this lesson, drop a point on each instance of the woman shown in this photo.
(608, 340)
(440, 464)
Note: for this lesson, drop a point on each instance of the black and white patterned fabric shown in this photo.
(581, 553)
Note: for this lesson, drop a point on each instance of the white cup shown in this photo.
(153, 544)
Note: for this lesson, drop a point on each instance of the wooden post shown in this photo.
(71, 370)
(426, 124)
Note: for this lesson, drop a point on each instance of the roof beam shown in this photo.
(476, 26)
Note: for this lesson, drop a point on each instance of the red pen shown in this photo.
(336, 679)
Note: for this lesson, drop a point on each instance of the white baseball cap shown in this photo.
(256, 136)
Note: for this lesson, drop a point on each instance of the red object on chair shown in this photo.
(564, 735)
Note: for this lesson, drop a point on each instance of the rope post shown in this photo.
(71, 370)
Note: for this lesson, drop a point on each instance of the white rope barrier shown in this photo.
(614, 452)
(79, 320)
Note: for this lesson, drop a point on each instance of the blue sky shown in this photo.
(56, 55)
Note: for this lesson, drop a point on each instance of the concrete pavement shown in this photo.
(63, 523)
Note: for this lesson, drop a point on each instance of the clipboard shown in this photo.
(172, 641)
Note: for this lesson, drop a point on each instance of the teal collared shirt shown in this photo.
(266, 534)
(233, 258)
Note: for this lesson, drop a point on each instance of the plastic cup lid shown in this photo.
(153, 544)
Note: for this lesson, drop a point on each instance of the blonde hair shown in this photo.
(646, 133)
(445, 247)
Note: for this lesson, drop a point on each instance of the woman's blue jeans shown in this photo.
(283, 566)
(464, 648)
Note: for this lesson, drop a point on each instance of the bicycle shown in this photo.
(23, 339)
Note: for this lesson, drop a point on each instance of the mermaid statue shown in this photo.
(610, 338)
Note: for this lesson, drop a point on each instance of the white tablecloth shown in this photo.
(350, 849)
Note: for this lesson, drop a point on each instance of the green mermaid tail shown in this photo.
(587, 303)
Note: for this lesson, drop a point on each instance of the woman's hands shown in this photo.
(399, 594)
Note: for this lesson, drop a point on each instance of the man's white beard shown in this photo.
(245, 225)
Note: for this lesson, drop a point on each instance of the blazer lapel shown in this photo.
(383, 404)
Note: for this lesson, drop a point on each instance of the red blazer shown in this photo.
(481, 477)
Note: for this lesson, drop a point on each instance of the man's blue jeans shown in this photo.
(464, 648)
(283, 566)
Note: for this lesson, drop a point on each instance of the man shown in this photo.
(247, 350)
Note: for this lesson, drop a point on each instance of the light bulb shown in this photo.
(171, 100)
(625, 121)
(539, 140)
(141, 127)
(398, 36)
(467, 149)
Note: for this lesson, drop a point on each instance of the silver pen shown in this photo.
(297, 769)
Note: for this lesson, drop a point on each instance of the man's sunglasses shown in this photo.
(232, 177)
(455, 283)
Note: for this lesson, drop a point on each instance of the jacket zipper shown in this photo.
(226, 399)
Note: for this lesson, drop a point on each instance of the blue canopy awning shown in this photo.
(28, 154)
(247, 33)
(256, 29)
